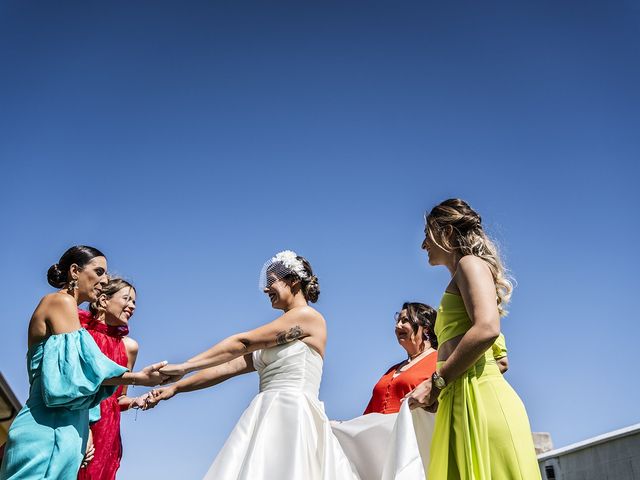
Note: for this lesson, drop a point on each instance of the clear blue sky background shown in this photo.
(191, 141)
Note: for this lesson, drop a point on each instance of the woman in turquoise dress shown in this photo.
(481, 427)
(68, 375)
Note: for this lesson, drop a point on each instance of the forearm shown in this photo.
(125, 402)
(127, 378)
(227, 350)
(477, 340)
(214, 375)
(203, 379)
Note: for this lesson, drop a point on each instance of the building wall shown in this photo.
(4, 427)
(9, 407)
(614, 459)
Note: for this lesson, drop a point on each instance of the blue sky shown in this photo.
(192, 141)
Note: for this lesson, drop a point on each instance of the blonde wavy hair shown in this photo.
(454, 226)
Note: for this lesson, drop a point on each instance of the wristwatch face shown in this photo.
(438, 381)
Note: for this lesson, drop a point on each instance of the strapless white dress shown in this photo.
(394, 446)
(284, 434)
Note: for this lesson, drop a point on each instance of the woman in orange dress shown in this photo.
(389, 441)
(414, 332)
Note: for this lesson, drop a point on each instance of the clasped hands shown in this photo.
(160, 373)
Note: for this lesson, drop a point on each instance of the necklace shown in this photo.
(408, 361)
(413, 357)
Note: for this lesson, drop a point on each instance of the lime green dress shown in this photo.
(481, 429)
(499, 347)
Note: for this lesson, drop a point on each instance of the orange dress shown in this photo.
(390, 389)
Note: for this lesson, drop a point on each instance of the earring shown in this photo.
(73, 286)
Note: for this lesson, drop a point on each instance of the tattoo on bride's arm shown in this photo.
(294, 333)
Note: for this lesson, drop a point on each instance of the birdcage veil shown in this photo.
(279, 266)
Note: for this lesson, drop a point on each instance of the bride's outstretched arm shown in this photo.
(293, 325)
(214, 375)
(203, 379)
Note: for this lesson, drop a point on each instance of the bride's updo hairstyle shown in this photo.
(289, 266)
(310, 285)
(58, 274)
(454, 226)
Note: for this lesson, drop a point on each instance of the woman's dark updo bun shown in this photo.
(309, 285)
(56, 277)
(311, 289)
(58, 273)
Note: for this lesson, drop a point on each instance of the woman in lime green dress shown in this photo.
(481, 429)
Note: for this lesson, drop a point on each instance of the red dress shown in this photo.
(389, 391)
(106, 431)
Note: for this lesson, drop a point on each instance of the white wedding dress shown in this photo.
(394, 446)
(284, 434)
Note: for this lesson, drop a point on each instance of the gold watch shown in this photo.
(438, 381)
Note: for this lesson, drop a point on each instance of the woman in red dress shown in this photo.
(414, 331)
(108, 325)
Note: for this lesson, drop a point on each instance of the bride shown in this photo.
(284, 433)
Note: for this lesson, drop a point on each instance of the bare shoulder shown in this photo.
(473, 275)
(131, 345)
(306, 314)
(471, 263)
(55, 305)
(309, 326)
(58, 311)
(58, 300)
(472, 267)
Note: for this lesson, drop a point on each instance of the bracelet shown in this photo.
(133, 379)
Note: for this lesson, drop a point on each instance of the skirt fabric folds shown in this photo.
(482, 430)
(282, 435)
(391, 446)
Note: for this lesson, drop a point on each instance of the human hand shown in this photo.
(150, 376)
(175, 369)
(423, 396)
(175, 372)
(433, 408)
(158, 394)
(89, 453)
(140, 402)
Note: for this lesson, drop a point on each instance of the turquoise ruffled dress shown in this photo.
(48, 438)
